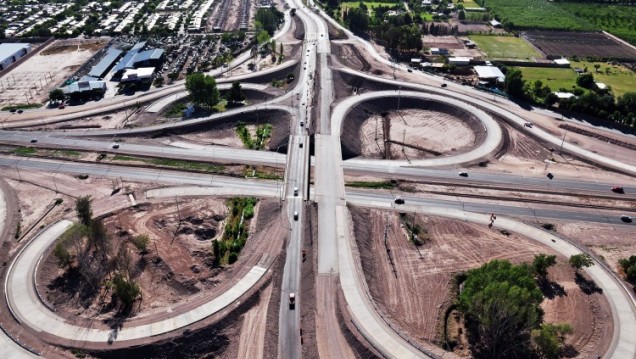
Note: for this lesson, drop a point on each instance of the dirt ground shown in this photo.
(454, 44)
(412, 286)
(178, 270)
(522, 154)
(431, 131)
(32, 80)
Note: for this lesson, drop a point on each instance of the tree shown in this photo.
(461, 15)
(84, 210)
(99, 239)
(202, 89)
(262, 37)
(596, 67)
(501, 304)
(236, 93)
(61, 253)
(541, 263)
(126, 290)
(627, 103)
(358, 20)
(141, 242)
(549, 339)
(268, 19)
(159, 81)
(629, 267)
(586, 81)
(550, 99)
(514, 82)
(581, 260)
(57, 95)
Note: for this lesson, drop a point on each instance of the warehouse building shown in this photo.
(10, 53)
(136, 58)
(101, 69)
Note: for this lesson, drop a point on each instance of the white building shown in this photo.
(459, 61)
(489, 73)
(10, 53)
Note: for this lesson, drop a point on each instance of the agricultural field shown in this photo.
(615, 19)
(619, 78)
(535, 14)
(581, 44)
(370, 5)
(505, 47)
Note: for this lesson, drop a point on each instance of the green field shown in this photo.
(616, 19)
(555, 78)
(535, 14)
(505, 47)
(619, 78)
(467, 3)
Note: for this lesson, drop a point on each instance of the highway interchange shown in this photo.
(314, 111)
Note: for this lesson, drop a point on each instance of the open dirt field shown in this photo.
(178, 268)
(412, 286)
(421, 133)
(523, 155)
(32, 81)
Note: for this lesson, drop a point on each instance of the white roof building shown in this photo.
(601, 86)
(489, 73)
(562, 61)
(564, 95)
(459, 61)
(142, 73)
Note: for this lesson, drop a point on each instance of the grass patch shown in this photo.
(505, 47)
(179, 164)
(467, 3)
(66, 153)
(620, 78)
(22, 106)
(370, 6)
(251, 171)
(177, 109)
(374, 185)
(25, 151)
(555, 78)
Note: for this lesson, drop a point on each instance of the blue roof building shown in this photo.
(101, 69)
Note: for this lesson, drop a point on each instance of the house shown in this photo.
(496, 24)
(439, 51)
(562, 62)
(564, 95)
(10, 53)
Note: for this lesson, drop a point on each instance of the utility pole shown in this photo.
(562, 141)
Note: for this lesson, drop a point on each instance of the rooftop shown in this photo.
(7, 49)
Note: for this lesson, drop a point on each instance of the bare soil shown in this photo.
(179, 263)
(424, 133)
(412, 286)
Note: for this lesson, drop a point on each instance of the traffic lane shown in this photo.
(367, 198)
(224, 154)
(557, 184)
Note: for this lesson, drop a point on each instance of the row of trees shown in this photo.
(501, 304)
(588, 100)
(203, 91)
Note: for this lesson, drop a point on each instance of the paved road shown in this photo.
(511, 117)
(491, 127)
(159, 105)
(224, 154)
(25, 304)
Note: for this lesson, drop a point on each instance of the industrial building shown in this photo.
(101, 69)
(136, 58)
(85, 89)
(489, 74)
(10, 53)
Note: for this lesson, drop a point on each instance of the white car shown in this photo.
(115, 145)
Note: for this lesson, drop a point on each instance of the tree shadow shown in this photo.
(568, 351)
(72, 284)
(587, 286)
(551, 289)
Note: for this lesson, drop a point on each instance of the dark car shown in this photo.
(550, 175)
(292, 300)
(463, 174)
(618, 189)
(626, 218)
(444, 85)
(399, 200)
